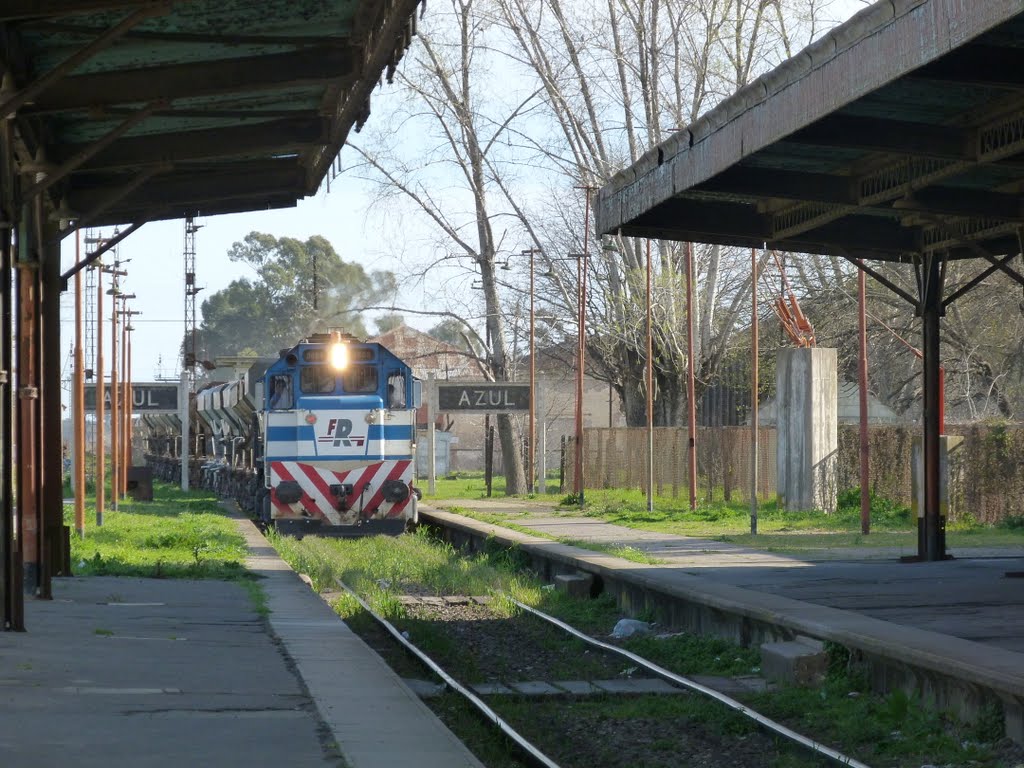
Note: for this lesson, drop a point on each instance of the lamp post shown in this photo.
(532, 456)
(581, 296)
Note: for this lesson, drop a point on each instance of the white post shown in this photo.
(431, 437)
(185, 437)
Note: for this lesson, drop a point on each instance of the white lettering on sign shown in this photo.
(464, 398)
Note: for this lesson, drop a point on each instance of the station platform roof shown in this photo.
(129, 110)
(898, 133)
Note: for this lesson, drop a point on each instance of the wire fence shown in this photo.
(986, 464)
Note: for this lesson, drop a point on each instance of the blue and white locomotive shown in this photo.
(338, 423)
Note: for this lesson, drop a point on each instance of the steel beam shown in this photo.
(15, 10)
(52, 77)
(310, 66)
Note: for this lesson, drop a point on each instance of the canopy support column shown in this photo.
(931, 537)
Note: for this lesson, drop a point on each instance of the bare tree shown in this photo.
(456, 127)
(617, 78)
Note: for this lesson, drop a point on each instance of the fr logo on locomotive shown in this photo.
(339, 432)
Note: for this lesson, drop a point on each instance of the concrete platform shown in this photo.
(951, 631)
(155, 673)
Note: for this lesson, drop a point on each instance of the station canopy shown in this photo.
(135, 110)
(897, 134)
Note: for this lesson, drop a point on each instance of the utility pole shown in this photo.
(78, 399)
(190, 355)
(115, 403)
(126, 390)
(101, 397)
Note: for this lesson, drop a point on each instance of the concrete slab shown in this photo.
(376, 720)
(638, 686)
(534, 688)
(152, 673)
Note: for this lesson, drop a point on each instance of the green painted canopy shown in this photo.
(135, 110)
(899, 133)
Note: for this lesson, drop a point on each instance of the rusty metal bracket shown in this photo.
(29, 393)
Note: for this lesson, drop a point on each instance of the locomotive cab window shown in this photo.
(316, 380)
(281, 393)
(360, 378)
(396, 390)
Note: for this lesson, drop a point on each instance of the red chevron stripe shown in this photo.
(316, 479)
(368, 474)
(375, 501)
(307, 502)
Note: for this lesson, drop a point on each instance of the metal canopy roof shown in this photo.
(134, 110)
(901, 132)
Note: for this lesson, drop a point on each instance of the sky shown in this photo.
(153, 256)
(154, 262)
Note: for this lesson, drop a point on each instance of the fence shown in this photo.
(986, 469)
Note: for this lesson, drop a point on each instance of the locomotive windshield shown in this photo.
(360, 379)
(316, 380)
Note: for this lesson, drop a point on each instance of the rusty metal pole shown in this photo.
(78, 398)
(129, 398)
(753, 390)
(691, 390)
(650, 389)
(29, 424)
(55, 539)
(122, 485)
(533, 383)
(862, 383)
(101, 402)
(115, 402)
(581, 291)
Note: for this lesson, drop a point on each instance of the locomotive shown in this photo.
(319, 441)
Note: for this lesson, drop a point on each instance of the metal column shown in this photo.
(931, 542)
(10, 546)
(29, 420)
(56, 557)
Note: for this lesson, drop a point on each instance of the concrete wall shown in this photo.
(808, 442)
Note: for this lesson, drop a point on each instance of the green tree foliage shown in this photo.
(299, 287)
(388, 322)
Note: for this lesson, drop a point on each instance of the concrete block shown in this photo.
(794, 662)
(575, 584)
(807, 428)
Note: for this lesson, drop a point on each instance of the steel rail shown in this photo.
(531, 751)
(766, 722)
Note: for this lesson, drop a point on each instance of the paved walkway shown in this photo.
(152, 673)
(969, 597)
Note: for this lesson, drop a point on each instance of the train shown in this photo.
(320, 440)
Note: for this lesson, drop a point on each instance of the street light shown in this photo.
(533, 376)
(581, 296)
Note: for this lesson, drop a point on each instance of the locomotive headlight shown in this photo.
(339, 356)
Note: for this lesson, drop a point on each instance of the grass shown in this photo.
(892, 526)
(177, 535)
(882, 730)
(617, 550)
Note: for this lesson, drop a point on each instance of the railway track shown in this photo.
(518, 649)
